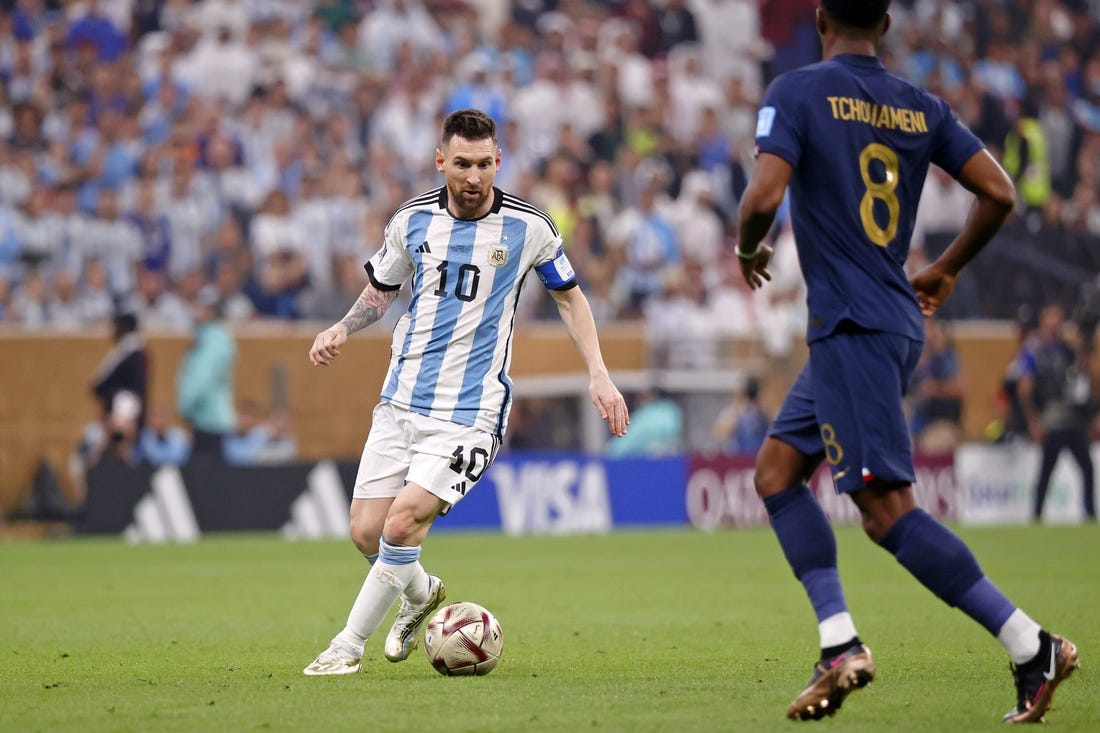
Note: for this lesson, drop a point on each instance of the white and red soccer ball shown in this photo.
(463, 639)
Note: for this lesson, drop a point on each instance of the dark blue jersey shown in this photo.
(860, 140)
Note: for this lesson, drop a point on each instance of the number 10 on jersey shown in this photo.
(466, 281)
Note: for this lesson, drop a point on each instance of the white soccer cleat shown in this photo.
(337, 659)
(403, 638)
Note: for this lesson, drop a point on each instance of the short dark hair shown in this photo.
(752, 388)
(125, 322)
(471, 124)
(863, 14)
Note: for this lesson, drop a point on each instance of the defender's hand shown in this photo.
(932, 286)
(755, 269)
(326, 347)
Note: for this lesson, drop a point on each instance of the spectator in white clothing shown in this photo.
(690, 91)
(212, 16)
(29, 303)
(115, 241)
(699, 229)
(393, 23)
(237, 189)
(220, 67)
(731, 40)
(64, 308)
(34, 229)
(275, 233)
(680, 329)
(188, 220)
(155, 305)
(310, 214)
(633, 79)
(228, 289)
(97, 305)
(69, 225)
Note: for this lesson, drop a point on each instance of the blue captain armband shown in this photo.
(557, 274)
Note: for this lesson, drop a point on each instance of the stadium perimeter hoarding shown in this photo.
(521, 494)
(998, 485)
(719, 492)
(544, 493)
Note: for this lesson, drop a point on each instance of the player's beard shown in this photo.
(467, 206)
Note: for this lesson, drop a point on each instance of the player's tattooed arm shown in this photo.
(369, 307)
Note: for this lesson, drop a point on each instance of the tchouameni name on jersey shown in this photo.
(878, 115)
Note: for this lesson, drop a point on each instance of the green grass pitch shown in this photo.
(633, 631)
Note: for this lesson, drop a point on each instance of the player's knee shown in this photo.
(362, 536)
(769, 479)
(878, 519)
(878, 523)
(400, 528)
(779, 467)
(365, 545)
(875, 528)
(881, 505)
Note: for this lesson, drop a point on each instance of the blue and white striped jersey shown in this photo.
(451, 350)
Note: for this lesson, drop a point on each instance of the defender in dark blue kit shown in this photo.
(853, 143)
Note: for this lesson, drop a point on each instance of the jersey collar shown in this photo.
(855, 59)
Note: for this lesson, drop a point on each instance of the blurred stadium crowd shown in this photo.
(253, 150)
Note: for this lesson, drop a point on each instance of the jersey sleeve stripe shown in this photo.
(378, 284)
(511, 202)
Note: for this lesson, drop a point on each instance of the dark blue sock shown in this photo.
(986, 604)
(807, 540)
(945, 565)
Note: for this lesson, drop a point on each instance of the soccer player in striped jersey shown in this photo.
(468, 248)
(854, 144)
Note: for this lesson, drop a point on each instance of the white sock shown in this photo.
(1020, 637)
(417, 589)
(412, 591)
(837, 629)
(349, 638)
(389, 575)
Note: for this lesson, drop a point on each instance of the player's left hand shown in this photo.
(755, 269)
(610, 403)
(933, 286)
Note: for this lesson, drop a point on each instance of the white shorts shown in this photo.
(445, 458)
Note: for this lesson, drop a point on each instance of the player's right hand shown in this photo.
(326, 347)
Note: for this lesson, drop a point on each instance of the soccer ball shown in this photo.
(463, 639)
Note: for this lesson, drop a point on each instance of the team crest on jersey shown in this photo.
(498, 255)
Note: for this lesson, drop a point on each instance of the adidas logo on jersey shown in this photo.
(460, 487)
(424, 249)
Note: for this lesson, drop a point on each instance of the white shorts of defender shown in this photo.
(445, 458)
